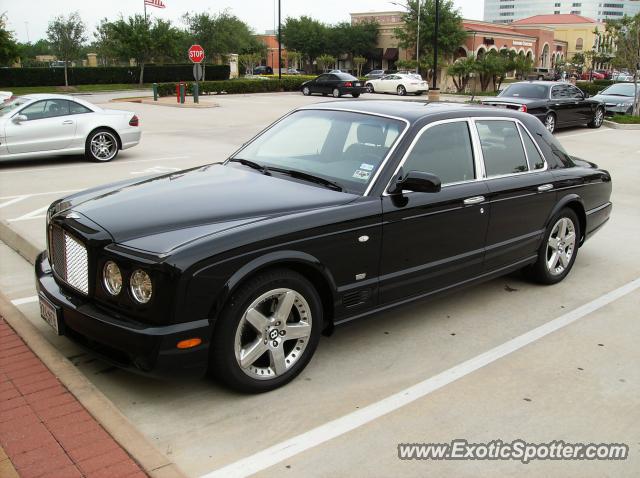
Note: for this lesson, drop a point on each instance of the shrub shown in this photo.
(288, 83)
(105, 75)
(590, 88)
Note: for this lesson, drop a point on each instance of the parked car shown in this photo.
(51, 125)
(592, 76)
(263, 70)
(337, 211)
(540, 74)
(5, 96)
(374, 74)
(398, 83)
(293, 71)
(617, 98)
(556, 104)
(622, 78)
(337, 71)
(336, 84)
(606, 73)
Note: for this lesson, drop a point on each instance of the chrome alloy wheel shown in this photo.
(550, 123)
(599, 118)
(561, 246)
(273, 334)
(104, 146)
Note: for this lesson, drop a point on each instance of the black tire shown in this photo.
(223, 362)
(540, 271)
(370, 88)
(355, 95)
(401, 90)
(306, 91)
(336, 93)
(598, 118)
(550, 122)
(108, 137)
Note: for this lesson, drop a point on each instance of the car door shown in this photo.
(521, 191)
(48, 127)
(319, 85)
(562, 104)
(434, 240)
(383, 84)
(583, 111)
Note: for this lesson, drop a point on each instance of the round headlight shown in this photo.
(112, 278)
(141, 287)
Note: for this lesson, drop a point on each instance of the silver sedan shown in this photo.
(49, 125)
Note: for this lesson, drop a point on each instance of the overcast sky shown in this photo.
(34, 15)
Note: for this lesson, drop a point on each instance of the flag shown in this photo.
(155, 3)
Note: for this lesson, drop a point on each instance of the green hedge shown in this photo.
(591, 88)
(105, 75)
(288, 83)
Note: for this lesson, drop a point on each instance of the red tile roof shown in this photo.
(553, 20)
(489, 28)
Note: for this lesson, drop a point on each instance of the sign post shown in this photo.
(196, 55)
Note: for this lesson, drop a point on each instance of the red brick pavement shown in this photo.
(44, 430)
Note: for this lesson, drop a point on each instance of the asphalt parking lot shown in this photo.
(345, 414)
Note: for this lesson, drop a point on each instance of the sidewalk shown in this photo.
(44, 430)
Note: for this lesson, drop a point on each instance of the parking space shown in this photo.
(564, 385)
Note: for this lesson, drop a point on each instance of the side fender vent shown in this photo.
(356, 298)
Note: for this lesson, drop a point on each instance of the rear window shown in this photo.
(345, 76)
(525, 90)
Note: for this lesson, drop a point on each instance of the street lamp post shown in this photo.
(418, 41)
(435, 45)
(279, 42)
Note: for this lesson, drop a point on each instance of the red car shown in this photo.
(595, 75)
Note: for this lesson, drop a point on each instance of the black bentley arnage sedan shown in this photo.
(334, 212)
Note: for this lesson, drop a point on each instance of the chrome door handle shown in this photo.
(474, 200)
(545, 187)
(67, 122)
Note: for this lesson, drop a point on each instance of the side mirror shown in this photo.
(586, 95)
(19, 119)
(417, 181)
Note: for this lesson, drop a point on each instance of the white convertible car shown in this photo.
(51, 125)
(398, 83)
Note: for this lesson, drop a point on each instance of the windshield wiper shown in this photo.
(309, 177)
(246, 162)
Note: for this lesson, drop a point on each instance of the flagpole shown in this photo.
(145, 10)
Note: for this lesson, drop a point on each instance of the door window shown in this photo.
(559, 92)
(34, 111)
(444, 150)
(501, 147)
(574, 92)
(536, 161)
(56, 108)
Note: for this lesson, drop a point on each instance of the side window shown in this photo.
(34, 111)
(575, 93)
(77, 108)
(501, 147)
(536, 161)
(444, 150)
(558, 92)
(56, 108)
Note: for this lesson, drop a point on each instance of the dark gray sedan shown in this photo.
(618, 98)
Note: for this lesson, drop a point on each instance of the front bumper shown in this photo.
(128, 344)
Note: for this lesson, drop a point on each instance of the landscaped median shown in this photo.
(240, 85)
(623, 122)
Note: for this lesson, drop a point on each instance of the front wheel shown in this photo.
(370, 88)
(267, 333)
(402, 90)
(336, 93)
(101, 146)
(550, 122)
(598, 118)
(559, 249)
(306, 91)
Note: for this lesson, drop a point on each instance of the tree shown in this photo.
(249, 61)
(578, 61)
(293, 58)
(222, 33)
(626, 35)
(451, 34)
(523, 66)
(306, 35)
(359, 62)
(461, 71)
(66, 35)
(9, 50)
(488, 67)
(325, 61)
(507, 63)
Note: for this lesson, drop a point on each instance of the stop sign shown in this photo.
(196, 53)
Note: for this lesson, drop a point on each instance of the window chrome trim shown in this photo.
(478, 155)
(478, 167)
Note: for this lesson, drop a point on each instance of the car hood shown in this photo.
(162, 213)
(613, 99)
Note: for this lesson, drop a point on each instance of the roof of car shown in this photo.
(47, 96)
(411, 111)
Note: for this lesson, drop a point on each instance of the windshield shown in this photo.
(525, 90)
(12, 105)
(343, 147)
(622, 90)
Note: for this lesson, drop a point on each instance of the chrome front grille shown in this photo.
(69, 259)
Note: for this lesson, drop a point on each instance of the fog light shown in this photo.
(112, 278)
(189, 343)
(141, 287)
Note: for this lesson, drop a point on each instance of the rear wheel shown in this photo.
(550, 122)
(559, 249)
(370, 88)
(401, 90)
(101, 145)
(267, 333)
(336, 93)
(598, 118)
(355, 95)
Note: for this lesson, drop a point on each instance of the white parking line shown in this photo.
(80, 165)
(25, 300)
(12, 201)
(24, 196)
(590, 132)
(277, 453)
(37, 214)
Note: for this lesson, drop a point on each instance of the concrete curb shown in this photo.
(18, 243)
(614, 125)
(154, 462)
